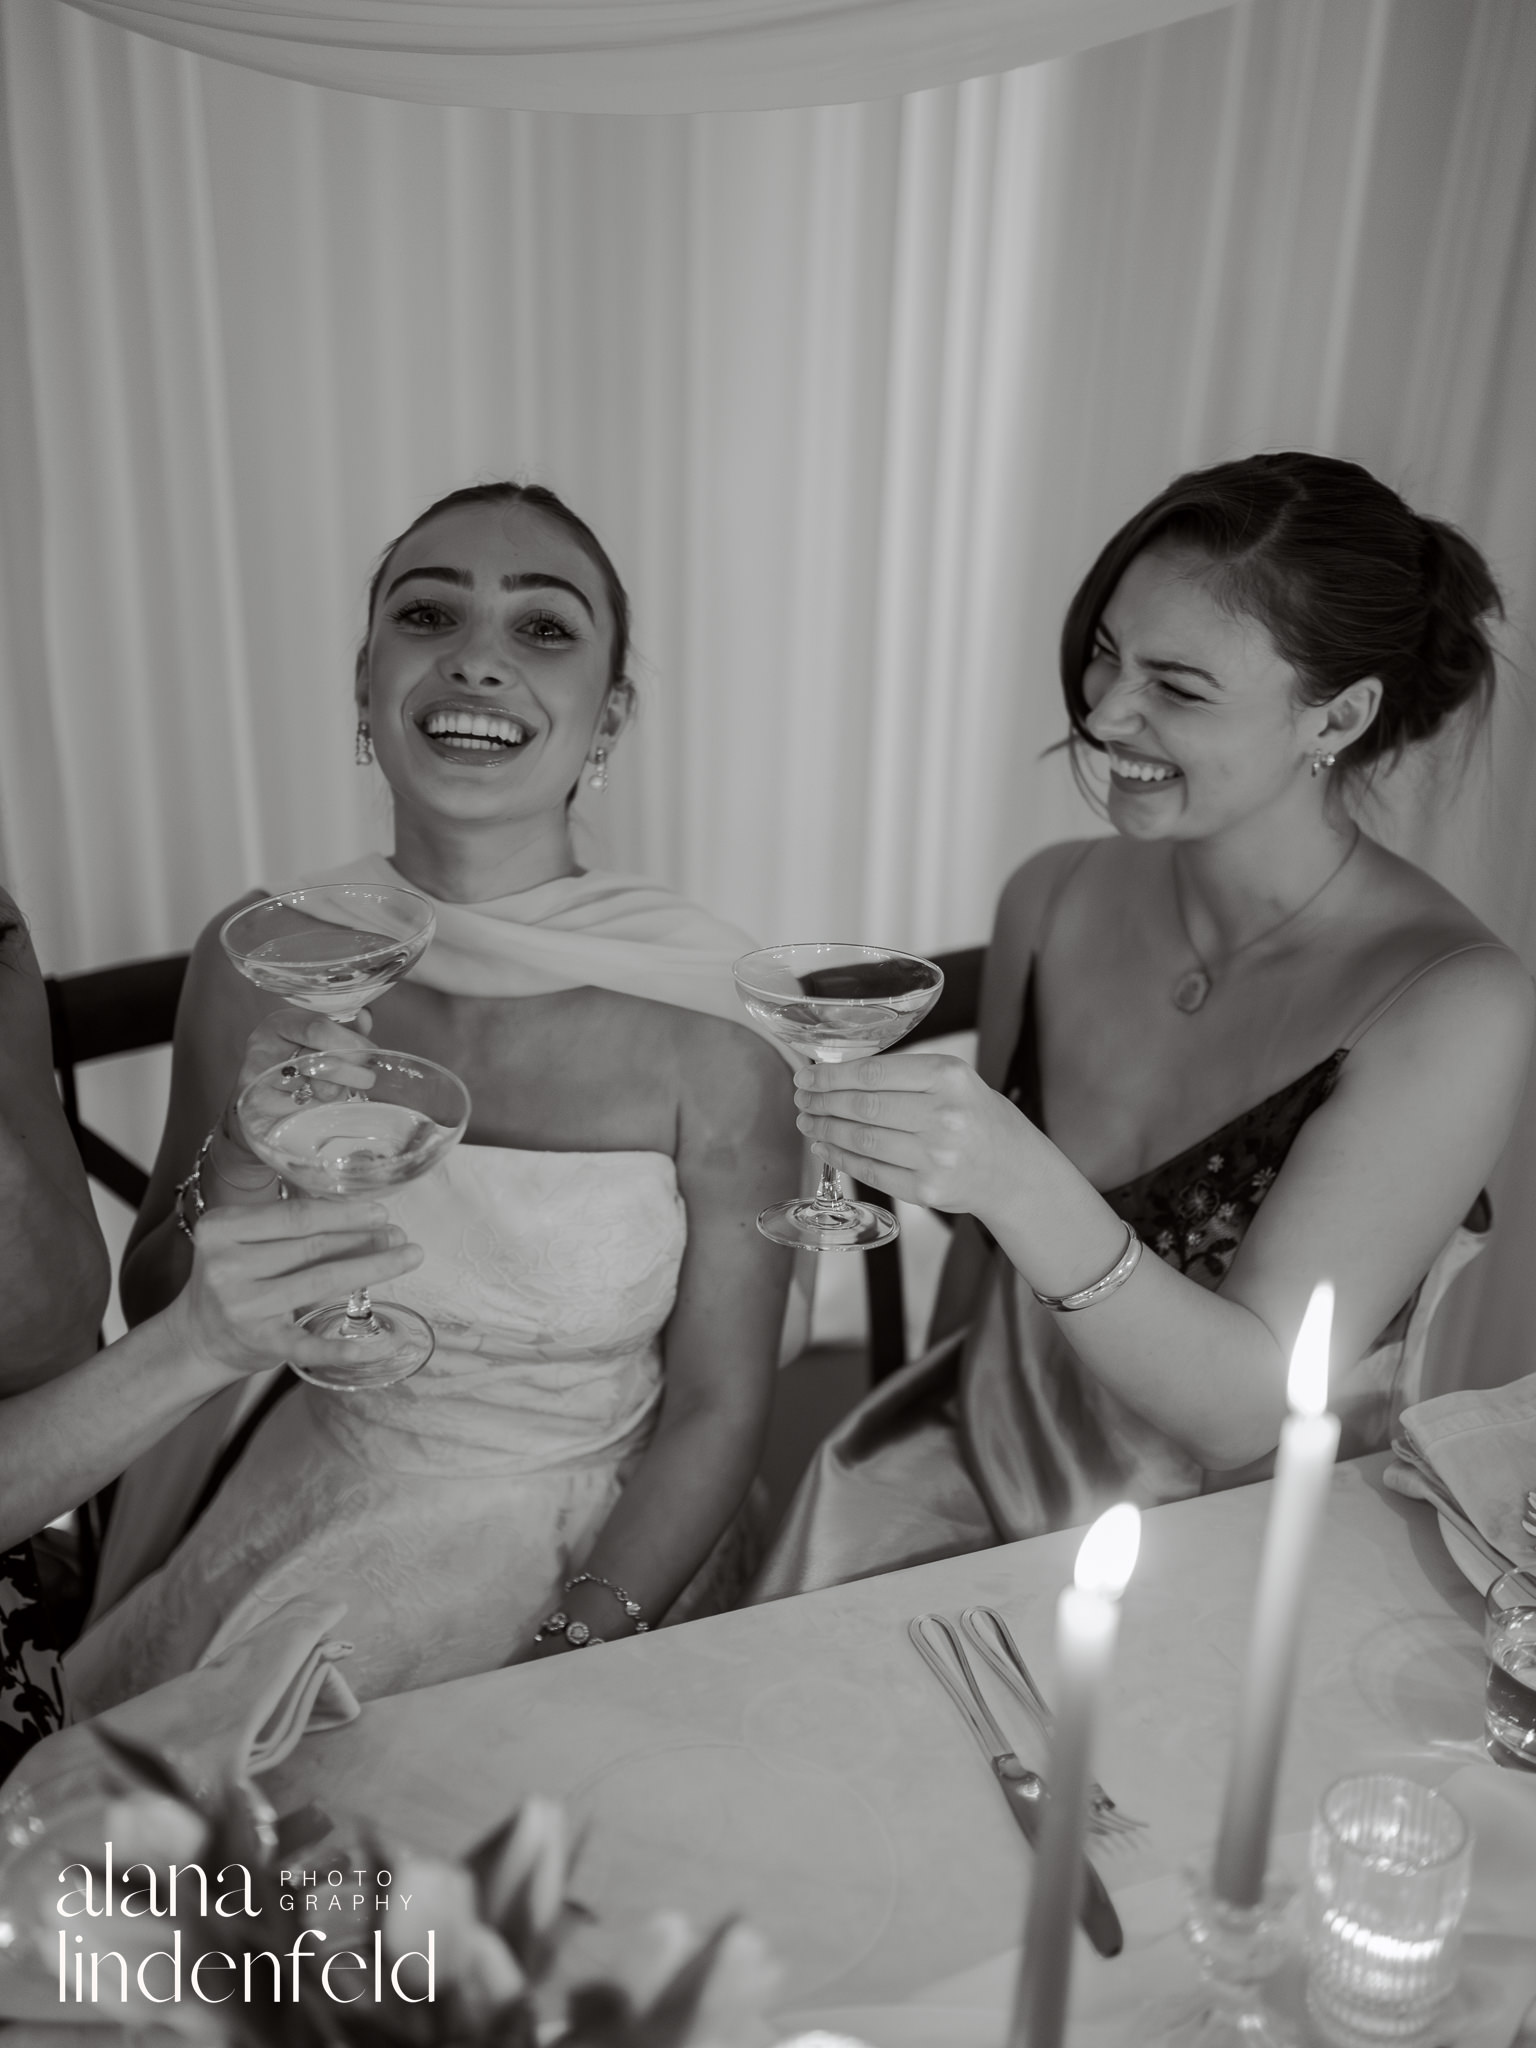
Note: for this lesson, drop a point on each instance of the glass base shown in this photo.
(829, 1226)
(1237, 1948)
(409, 1337)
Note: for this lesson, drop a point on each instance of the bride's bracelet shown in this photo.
(631, 1607)
(190, 1199)
(1101, 1289)
(577, 1633)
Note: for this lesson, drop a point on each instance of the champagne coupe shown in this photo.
(834, 1003)
(354, 1122)
(333, 948)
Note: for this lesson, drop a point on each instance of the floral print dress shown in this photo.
(31, 1688)
(999, 1433)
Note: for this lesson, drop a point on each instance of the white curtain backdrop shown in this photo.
(637, 56)
(853, 394)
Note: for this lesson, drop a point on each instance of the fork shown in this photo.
(1023, 1790)
(1008, 1663)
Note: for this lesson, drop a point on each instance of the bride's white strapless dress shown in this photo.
(448, 1509)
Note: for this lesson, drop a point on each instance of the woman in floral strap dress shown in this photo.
(1239, 1033)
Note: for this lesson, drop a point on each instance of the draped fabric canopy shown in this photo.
(638, 56)
(852, 394)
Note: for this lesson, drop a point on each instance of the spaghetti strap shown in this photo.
(1053, 901)
(1408, 980)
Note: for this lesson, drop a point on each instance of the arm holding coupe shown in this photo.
(72, 1417)
(63, 1438)
(1376, 1180)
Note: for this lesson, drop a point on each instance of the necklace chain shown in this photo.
(1195, 984)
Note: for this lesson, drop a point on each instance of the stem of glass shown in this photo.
(831, 1193)
(360, 1311)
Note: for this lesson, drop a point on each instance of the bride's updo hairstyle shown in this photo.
(1348, 580)
(542, 500)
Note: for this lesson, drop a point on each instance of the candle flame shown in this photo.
(1107, 1554)
(1306, 1387)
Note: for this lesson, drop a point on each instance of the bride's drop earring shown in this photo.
(598, 779)
(1322, 761)
(363, 751)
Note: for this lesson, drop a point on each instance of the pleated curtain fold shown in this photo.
(637, 56)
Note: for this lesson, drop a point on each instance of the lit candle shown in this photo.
(1303, 1474)
(1087, 1620)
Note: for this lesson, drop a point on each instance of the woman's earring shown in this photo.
(598, 779)
(363, 753)
(1322, 761)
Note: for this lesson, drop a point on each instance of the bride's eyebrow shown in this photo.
(461, 578)
(535, 581)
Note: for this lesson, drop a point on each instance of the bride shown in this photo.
(607, 1316)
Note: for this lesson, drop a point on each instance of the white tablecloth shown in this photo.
(799, 1764)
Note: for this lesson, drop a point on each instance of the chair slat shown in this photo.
(102, 1014)
(956, 1010)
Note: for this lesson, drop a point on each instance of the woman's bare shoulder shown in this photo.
(726, 1080)
(1420, 949)
(1034, 892)
(654, 1039)
(1406, 921)
(1024, 909)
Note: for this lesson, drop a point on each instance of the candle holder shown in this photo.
(1237, 1947)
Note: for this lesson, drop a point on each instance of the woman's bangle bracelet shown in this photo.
(1102, 1289)
(190, 1199)
(189, 1193)
(630, 1607)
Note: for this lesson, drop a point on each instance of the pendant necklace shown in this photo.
(1195, 983)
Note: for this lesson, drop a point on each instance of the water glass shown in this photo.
(1391, 1868)
(1510, 1637)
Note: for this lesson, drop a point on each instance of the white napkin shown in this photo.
(1473, 1456)
(255, 1692)
(1118, 2003)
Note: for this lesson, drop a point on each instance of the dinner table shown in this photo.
(796, 1763)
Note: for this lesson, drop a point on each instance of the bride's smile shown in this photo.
(488, 666)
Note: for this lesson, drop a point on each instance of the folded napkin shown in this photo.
(1473, 1456)
(256, 1690)
(1128, 2000)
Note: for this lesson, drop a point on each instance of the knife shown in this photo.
(1026, 1795)
(1024, 1789)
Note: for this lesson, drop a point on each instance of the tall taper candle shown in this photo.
(1303, 1475)
(1087, 1621)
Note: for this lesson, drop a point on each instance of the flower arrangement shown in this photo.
(481, 1959)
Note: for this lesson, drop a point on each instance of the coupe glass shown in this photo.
(334, 948)
(357, 1122)
(834, 1003)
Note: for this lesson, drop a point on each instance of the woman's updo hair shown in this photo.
(1349, 581)
(553, 507)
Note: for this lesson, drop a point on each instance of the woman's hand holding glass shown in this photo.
(923, 1127)
(339, 1124)
(278, 1041)
(254, 1269)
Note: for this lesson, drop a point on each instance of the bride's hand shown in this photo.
(923, 1127)
(285, 1035)
(253, 1268)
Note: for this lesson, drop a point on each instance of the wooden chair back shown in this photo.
(99, 1015)
(955, 1010)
